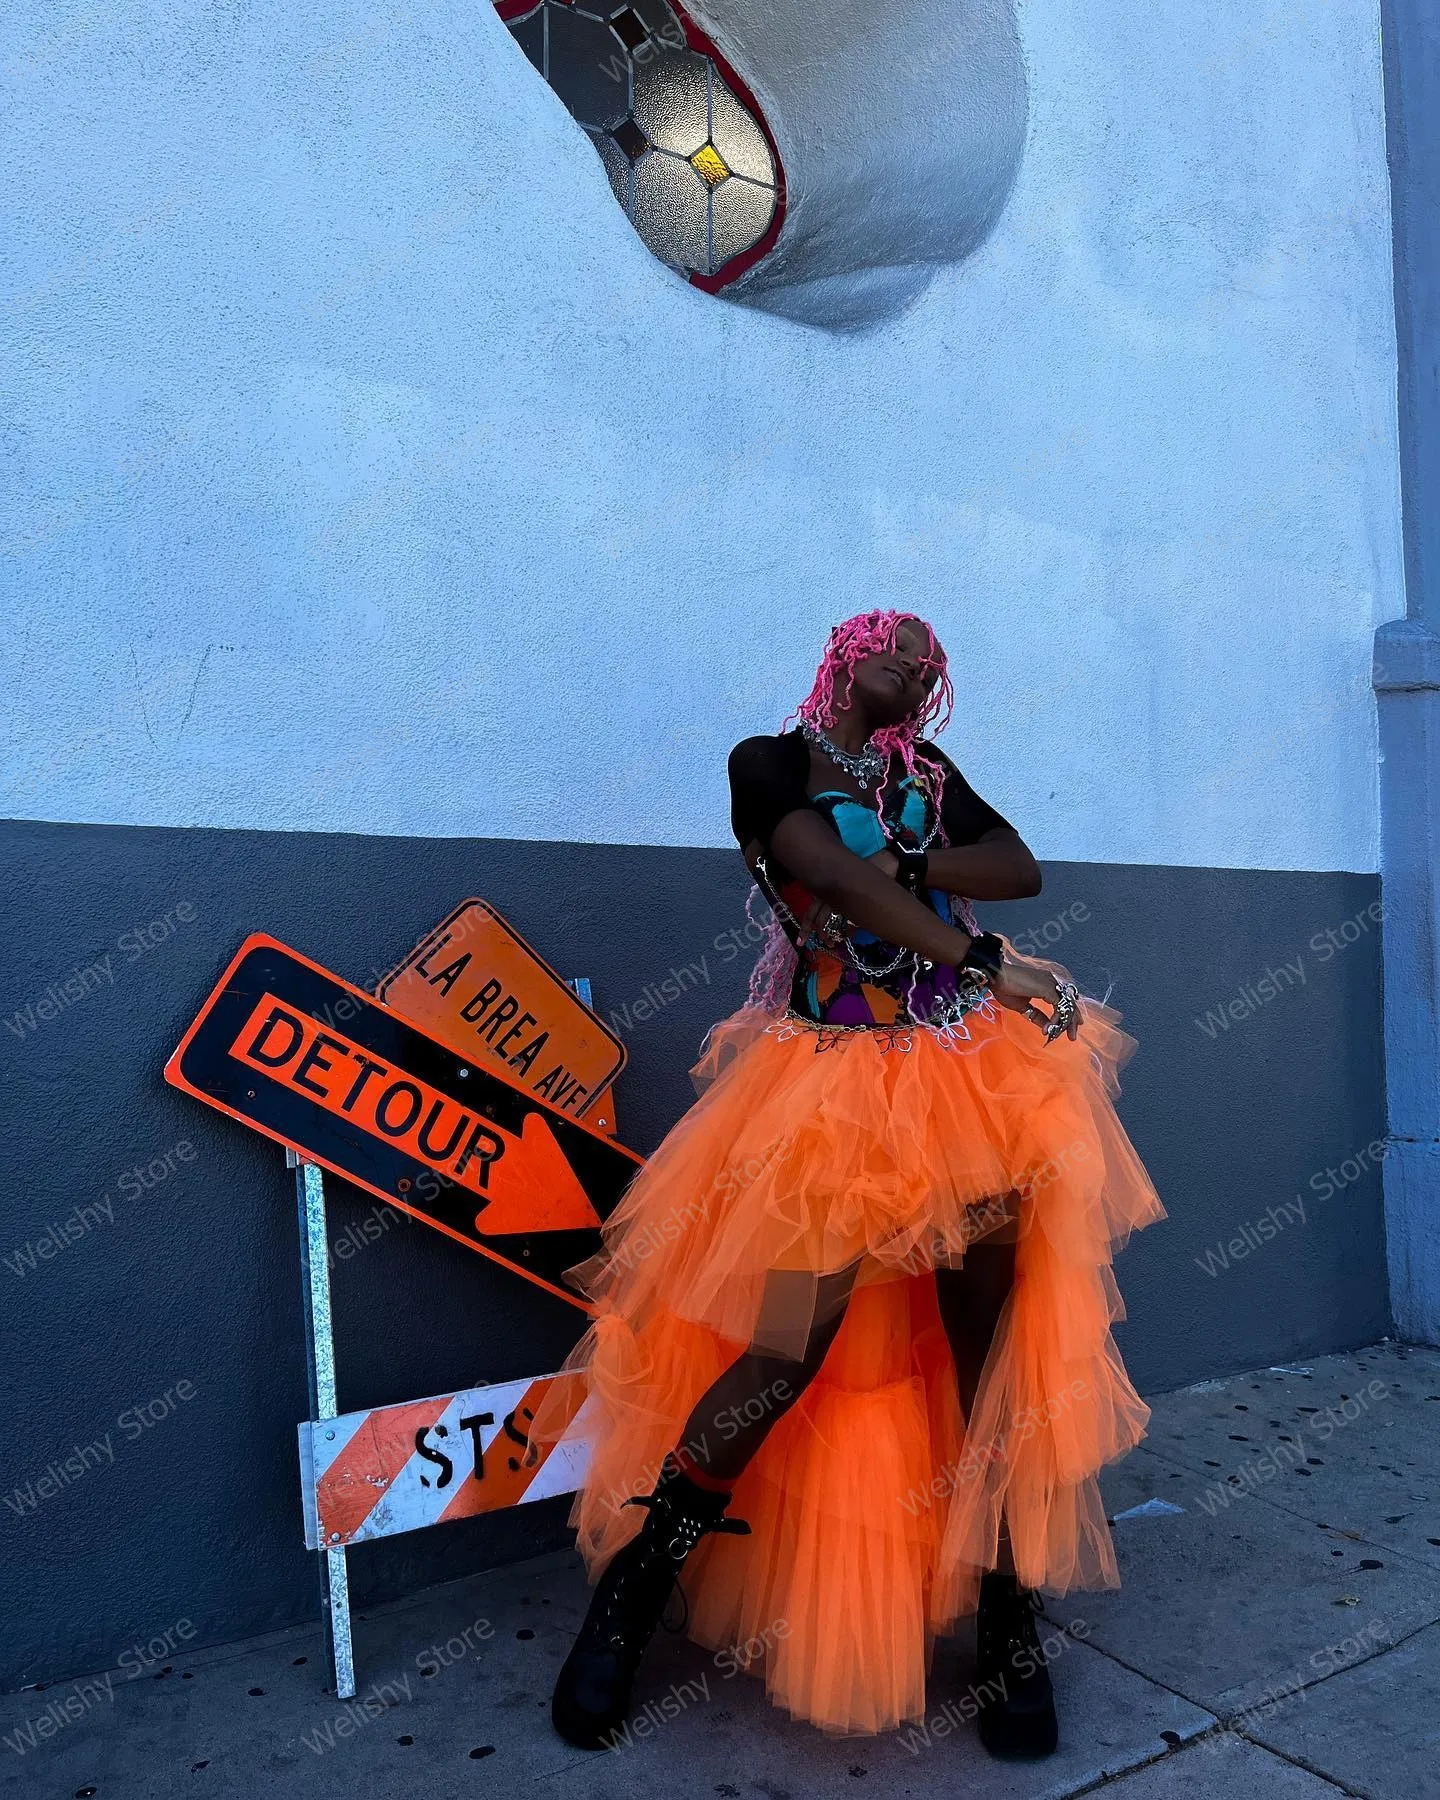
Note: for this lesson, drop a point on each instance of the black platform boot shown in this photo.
(592, 1694)
(1017, 1702)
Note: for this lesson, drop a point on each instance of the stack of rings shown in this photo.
(1067, 1005)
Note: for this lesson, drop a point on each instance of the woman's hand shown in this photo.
(886, 862)
(1018, 987)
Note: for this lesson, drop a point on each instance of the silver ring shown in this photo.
(1067, 1004)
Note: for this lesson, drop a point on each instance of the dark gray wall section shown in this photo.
(195, 1279)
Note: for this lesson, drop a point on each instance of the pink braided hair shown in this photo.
(867, 634)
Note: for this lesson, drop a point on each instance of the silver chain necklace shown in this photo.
(863, 766)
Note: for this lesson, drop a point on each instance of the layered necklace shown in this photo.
(863, 766)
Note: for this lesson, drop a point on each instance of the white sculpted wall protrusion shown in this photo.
(899, 127)
(900, 124)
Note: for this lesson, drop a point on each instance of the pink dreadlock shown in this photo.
(867, 634)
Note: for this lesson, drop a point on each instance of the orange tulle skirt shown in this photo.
(874, 1505)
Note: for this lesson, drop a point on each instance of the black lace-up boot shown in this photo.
(1017, 1702)
(592, 1694)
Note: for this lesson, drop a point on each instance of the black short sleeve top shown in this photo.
(769, 776)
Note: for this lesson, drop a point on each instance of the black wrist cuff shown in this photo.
(913, 867)
(986, 955)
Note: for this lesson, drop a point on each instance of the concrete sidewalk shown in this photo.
(1278, 1635)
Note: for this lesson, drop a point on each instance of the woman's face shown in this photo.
(895, 683)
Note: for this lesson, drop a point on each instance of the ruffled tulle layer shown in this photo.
(874, 1506)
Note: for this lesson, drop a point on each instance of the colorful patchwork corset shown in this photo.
(850, 976)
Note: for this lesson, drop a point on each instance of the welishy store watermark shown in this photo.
(84, 979)
(132, 1424)
(1039, 940)
(965, 1707)
(384, 1695)
(357, 1234)
(59, 1712)
(1291, 1452)
(946, 1245)
(1253, 1235)
(363, 1710)
(1324, 1183)
(647, 1236)
(1278, 979)
(655, 996)
(1326, 1661)
(88, 1216)
(68, 1708)
(728, 1421)
(976, 1458)
(734, 1659)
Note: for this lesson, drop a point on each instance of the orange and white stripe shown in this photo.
(400, 1468)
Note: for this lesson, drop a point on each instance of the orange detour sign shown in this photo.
(475, 984)
(398, 1468)
(310, 1060)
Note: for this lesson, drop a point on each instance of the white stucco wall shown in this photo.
(364, 472)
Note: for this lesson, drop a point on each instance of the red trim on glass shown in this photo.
(737, 265)
(698, 40)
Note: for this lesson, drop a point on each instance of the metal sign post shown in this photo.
(324, 1407)
(320, 1367)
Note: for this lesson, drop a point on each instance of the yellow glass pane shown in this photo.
(708, 163)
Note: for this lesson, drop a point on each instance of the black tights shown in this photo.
(737, 1412)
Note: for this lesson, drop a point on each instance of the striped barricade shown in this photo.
(398, 1468)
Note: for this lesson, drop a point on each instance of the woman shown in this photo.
(862, 1289)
